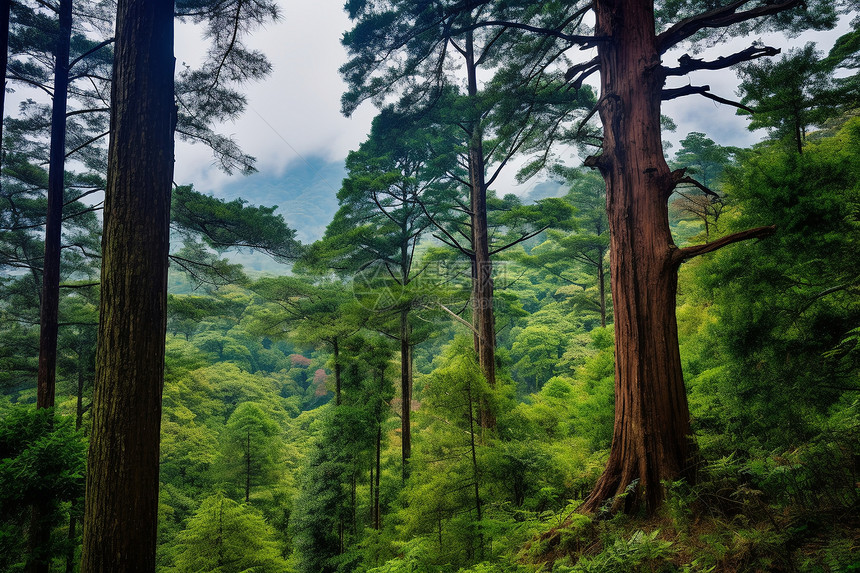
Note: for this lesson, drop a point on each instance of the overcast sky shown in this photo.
(294, 114)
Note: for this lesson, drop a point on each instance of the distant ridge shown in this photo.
(306, 194)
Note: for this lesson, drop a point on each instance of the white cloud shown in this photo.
(295, 112)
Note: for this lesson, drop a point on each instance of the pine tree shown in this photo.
(227, 537)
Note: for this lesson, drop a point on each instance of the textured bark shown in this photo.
(651, 440)
(122, 479)
(49, 313)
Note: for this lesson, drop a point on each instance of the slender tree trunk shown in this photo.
(651, 440)
(377, 520)
(39, 559)
(405, 392)
(49, 315)
(121, 511)
(372, 507)
(5, 11)
(248, 468)
(601, 287)
(83, 359)
(475, 470)
(798, 136)
(482, 270)
(352, 498)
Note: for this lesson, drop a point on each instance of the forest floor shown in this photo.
(741, 533)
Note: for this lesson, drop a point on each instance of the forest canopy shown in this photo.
(647, 358)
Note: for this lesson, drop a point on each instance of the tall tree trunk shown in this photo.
(601, 287)
(121, 510)
(482, 267)
(405, 392)
(651, 440)
(248, 468)
(39, 559)
(5, 11)
(49, 315)
(476, 475)
(377, 520)
(83, 359)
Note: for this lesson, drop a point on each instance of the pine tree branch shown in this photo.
(86, 143)
(681, 255)
(583, 41)
(90, 51)
(721, 17)
(83, 111)
(689, 64)
(704, 189)
(525, 237)
(673, 93)
(583, 67)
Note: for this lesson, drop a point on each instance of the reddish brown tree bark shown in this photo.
(122, 478)
(651, 440)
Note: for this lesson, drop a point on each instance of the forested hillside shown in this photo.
(651, 362)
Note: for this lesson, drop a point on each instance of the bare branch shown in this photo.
(673, 93)
(573, 70)
(91, 51)
(525, 237)
(681, 255)
(458, 318)
(82, 111)
(720, 18)
(89, 141)
(704, 189)
(689, 64)
(583, 41)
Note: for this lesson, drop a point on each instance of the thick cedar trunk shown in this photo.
(483, 316)
(49, 314)
(651, 440)
(121, 507)
(405, 392)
